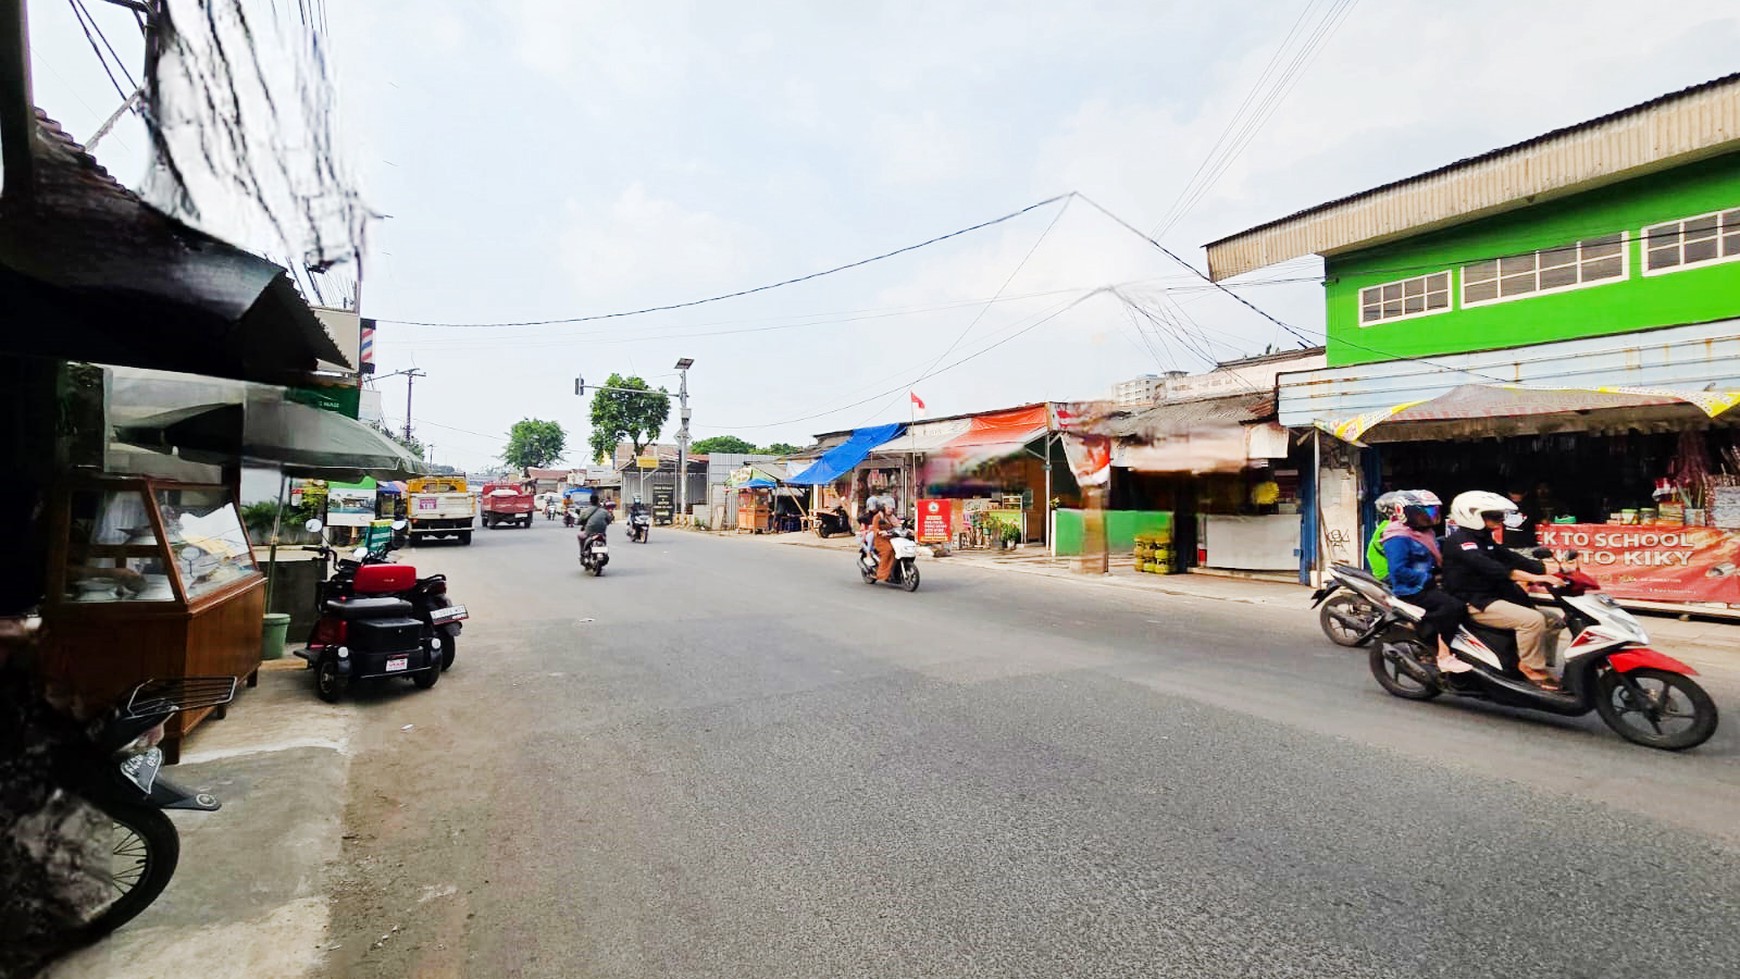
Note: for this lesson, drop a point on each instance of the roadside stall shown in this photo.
(1001, 474)
(1644, 484)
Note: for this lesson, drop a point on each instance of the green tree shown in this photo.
(724, 443)
(781, 449)
(621, 413)
(534, 444)
(411, 445)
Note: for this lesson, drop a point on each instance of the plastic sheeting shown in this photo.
(840, 460)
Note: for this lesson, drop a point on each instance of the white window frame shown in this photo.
(1720, 259)
(1449, 299)
(1624, 273)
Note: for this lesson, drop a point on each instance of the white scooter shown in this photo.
(905, 573)
(1646, 697)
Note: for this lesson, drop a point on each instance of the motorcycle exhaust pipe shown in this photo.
(1408, 664)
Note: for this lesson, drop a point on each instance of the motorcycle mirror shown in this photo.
(313, 526)
(1542, 553)
(401, 524)
(1570, 555)
(360, 553)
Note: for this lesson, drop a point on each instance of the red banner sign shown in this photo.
(935, 521)
(1654, 562)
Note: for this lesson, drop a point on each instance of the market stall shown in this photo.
(149, 579)
(1644, 484)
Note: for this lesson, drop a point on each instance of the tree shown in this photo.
(534, 444)
(781, 449)
(724, 443)
(411, 445)
(617, 414)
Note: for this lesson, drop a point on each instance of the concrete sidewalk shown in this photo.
(249, 896)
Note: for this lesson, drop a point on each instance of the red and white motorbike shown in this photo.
(1646, 697)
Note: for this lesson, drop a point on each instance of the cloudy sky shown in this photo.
(542, 159)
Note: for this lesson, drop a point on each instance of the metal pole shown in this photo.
(272, 548)
(683, 445)
(410, 383)
(1317, 503)
(1050, 545)
(17, 104)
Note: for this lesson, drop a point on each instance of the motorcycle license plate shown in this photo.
(600, 549)
(452, 613)
(398, 664)
(141, 769)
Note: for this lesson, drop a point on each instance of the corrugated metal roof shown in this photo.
(1181, 418)
(1691, 124)
(1695, 357)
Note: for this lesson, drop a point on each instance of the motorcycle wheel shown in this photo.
(595, 570)
(143, 853)
(1674, 697)
(910, 581)
(329, 684)
(449, 649)
(426, 678)
(1395, 680)
(1351, 606)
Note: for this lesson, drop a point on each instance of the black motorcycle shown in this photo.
(594, 553)
(364, 631)
(118, 772)
(639, 526)
(831, 522)
(427, 595)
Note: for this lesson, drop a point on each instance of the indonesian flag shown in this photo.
(917, 402)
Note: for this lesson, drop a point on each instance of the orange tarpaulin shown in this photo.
(1014, 428)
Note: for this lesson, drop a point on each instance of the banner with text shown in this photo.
(1654, 562)
(935, 521)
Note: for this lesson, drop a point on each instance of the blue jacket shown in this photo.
(1411, 565)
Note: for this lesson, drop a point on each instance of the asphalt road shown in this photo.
(728, 757)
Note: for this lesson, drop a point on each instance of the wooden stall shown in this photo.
(149, 579)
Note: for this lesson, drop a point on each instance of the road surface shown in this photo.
(727, 757)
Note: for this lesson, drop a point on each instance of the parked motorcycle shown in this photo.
(594, 553)
(831, 522)
(118, 772)
(428, 596)
(905, 573)
(366, 631)
(1646, 697)
(639, 526)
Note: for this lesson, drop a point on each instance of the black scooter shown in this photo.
(428, 596)
(364, 632)
(118, 772)
(831, 522)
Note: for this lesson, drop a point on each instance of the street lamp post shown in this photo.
(683, 366)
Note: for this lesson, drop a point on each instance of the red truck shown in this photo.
(506, 505)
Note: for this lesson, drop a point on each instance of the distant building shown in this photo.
(1144, 390)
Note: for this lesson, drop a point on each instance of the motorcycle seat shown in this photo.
(369, 608)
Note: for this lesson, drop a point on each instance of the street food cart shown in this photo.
(149, 579)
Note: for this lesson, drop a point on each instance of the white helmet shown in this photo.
(1468, 509)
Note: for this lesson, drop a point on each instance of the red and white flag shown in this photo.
(917, 402)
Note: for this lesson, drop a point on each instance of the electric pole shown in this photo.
(683, 366)
(410, 383)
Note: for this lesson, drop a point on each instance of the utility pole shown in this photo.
(410, 383)
(683, 366)
(17, 104)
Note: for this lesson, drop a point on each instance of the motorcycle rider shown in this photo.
(1389, 510)
(881, 523)
(594, 519)
(1413, 560)
(1489, 577)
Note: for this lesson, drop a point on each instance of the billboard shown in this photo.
(935, 521)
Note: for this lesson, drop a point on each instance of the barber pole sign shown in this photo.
(366, 345)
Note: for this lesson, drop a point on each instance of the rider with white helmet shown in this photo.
(1489, 578)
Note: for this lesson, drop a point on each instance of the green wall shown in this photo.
(1635, 302)
(1122, 526)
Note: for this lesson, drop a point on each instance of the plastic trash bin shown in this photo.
(272, 639)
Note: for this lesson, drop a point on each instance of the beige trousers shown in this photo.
(1531, 628)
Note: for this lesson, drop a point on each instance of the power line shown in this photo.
(743, 292)
(79, 14)
(119, 61)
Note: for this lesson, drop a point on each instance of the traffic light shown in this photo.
(580, 387)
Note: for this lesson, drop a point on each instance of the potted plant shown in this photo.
(1010, 534)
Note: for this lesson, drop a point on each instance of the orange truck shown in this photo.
(507, 505)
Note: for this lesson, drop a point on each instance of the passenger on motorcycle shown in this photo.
(636, 507)
(1411, 552)
(1389, 509)
(1489, 578)
(594, 519)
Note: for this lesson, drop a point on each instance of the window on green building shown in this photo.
(1699, 240)
(1591, 261)
(1408, 297)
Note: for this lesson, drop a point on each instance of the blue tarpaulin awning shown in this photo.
(839, 460)
(760, 483)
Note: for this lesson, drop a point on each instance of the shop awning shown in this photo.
(1473, 410)
(1207, 435)
(926, 437)
(839, 460)
(90, 272)
(303, 441)
(997, 435)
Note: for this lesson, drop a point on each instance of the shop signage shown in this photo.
(350, 506)
(935, 518)
(646, 462)
(1654, 562)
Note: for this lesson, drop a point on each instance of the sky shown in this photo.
(542, 159)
